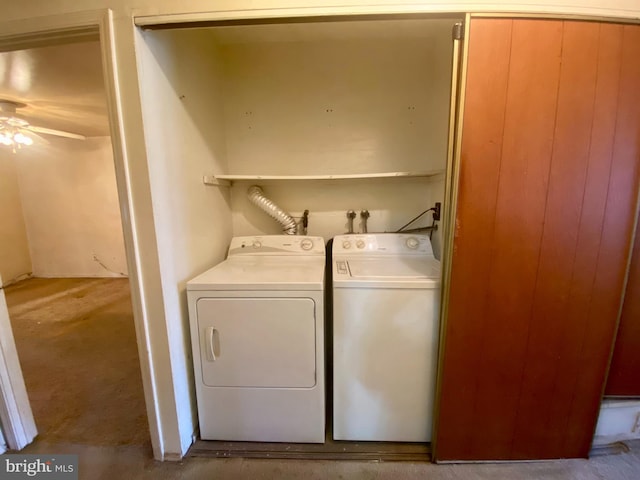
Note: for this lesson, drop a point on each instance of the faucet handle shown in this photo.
(364, 215)
(351, 215)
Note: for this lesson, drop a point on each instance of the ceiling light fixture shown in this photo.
(12, 138)
(14, 128)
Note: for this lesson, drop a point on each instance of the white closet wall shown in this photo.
(332, 98)
(182, 122)
(391, 203)
(15, 261)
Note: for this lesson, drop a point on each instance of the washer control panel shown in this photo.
(277, 245)
(382, 243)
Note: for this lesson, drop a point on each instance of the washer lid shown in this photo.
(263, 273)
(392, 267)
(387, 272)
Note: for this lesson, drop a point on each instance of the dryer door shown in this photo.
(257, 342)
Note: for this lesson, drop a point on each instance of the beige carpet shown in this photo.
(77, 347)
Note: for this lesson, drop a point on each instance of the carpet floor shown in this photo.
(77, 348)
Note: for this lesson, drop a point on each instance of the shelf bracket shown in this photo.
(217, 182)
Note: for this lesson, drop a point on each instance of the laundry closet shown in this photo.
(324, 116)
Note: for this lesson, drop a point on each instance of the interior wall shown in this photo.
(15, 260)
(180, 95)
(71, 209)
(332, 106)
(390, 202)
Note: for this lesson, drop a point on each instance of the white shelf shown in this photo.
(226, 180)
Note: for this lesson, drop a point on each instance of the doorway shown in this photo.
(62, 253)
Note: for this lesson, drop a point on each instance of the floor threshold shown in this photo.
(330, 450)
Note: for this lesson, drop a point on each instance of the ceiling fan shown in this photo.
(16, 131)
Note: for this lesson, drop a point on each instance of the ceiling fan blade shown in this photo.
(38, 138)
(58, 133)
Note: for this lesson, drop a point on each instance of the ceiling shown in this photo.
(61, 85)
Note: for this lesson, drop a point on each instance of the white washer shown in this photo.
(257, 334)
(386, 290)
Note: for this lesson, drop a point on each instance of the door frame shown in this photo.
(70, 27)
(3, 444)
(16, 418)
(452, 180)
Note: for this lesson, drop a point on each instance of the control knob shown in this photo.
(306, 244)
(346, 244)
(360, 244)
(412, 243)
(256, 244)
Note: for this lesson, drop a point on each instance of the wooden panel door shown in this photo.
(624, 373)
(548, 186)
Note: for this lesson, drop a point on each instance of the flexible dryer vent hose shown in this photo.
(256, 196)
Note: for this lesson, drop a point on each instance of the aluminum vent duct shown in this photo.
(256, 196)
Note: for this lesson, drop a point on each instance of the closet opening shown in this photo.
(327, 117)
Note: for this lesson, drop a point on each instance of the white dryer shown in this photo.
(257, 333)
(386, 290)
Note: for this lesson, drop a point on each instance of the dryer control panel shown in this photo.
(277, 245)
(383, 244)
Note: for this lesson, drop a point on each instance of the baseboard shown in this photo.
(173, 457)
(17, 279)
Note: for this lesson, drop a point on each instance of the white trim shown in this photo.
(16, 417)
(56, 25)
(27, 32)
(114, 103)
(147, 16)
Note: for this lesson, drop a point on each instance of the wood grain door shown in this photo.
(547, 192)
(624, 373)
